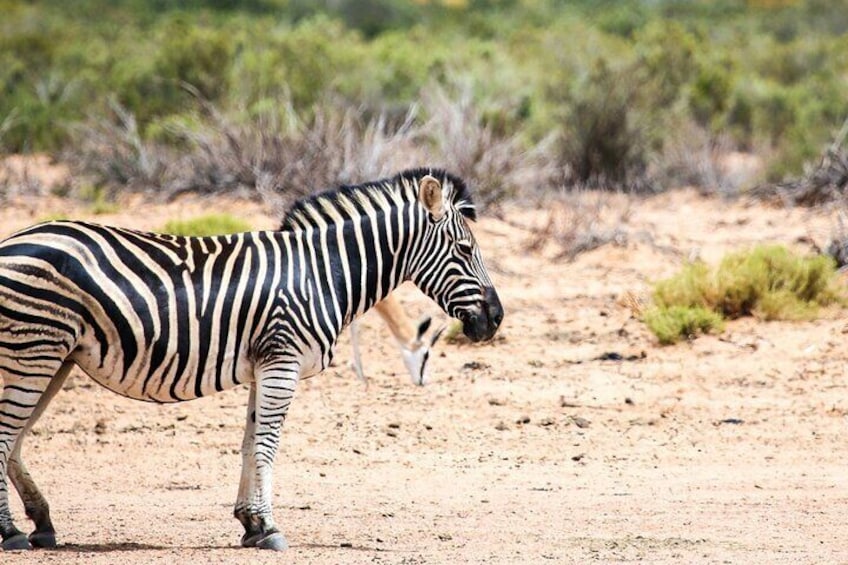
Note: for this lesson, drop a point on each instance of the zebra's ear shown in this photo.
(430, 195)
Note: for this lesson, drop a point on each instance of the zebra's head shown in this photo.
(448, 266)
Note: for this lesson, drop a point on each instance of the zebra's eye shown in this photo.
(465, 246)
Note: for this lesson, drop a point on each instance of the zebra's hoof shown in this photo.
(45, 540)
(16, 542)
(275, 542)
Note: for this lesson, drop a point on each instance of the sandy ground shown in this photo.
(727, 449)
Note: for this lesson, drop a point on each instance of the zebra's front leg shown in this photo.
(247, 483)
(270, 396)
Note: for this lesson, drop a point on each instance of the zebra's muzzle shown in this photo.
(481, 323)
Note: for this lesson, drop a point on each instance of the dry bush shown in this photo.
(605, 128)
(109, 151)
(281, 154)
(691, 156)
(31, 175)
(287, 156)
(579, 221)
(8, 121)
(826, 182)
(838, 246)
(338, 146)
(496, 163)
(16, 179)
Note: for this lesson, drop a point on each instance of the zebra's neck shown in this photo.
(357, 259)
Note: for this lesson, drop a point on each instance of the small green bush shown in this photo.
(769, 282)
(773, 283)
(454, 334)
(98, 199)
(674, 323)
(210, 224)
(691, 287)
(53, 217)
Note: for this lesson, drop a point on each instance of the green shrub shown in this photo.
(604, 138)
(98, 199)
(299, 64)
(773, 283)
(691, 287)
(675, 323)
(53, 217)
(210, 224)
(769, 282)
(453, 334)
(610, 81)
(710, 95)
(622, 19)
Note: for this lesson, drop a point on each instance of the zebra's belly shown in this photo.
(171, 379)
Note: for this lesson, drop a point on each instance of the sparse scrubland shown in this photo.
(522, 96)
(571, 437)
(533, 102)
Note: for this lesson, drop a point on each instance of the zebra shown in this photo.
(411, 338)
(166, 318)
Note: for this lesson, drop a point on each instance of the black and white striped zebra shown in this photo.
(165, 318)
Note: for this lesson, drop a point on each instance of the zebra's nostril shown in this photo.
(499, 316)
(493, 306)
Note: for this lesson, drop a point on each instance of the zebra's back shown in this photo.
(150, 316)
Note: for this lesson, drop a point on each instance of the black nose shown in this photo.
(493, 307)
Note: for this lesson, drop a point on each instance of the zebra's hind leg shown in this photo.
(35, 504)
(21, 398)
(270, 397)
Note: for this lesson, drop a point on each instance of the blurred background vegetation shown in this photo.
(520, 95)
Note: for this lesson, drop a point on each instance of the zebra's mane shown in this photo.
(322, 206)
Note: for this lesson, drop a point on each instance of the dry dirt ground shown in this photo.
(727, 449)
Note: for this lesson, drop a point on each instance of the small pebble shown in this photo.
(580, 422)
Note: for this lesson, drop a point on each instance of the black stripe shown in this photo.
(230, 283)
(370, 262)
